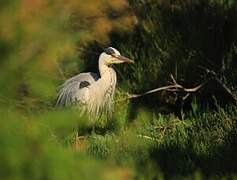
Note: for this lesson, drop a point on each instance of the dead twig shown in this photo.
(147, 137)
(175, 87)
(212, 85)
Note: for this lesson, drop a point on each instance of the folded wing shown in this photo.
(75, 90)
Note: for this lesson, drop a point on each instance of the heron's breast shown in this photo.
(101, 92)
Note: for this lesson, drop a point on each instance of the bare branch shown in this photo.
(173, 88)
(186, 92)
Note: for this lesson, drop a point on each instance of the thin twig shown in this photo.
(147, 137)
(173, 79)
(175, 87)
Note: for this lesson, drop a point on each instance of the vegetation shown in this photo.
(44, 42)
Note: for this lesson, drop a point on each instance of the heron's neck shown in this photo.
(107, 76)
(103, 68)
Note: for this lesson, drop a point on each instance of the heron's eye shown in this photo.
(109, 51)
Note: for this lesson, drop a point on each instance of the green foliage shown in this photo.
(178, 37)
(39, 42)
(178, 148)
(29, 150)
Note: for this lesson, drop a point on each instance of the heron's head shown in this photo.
(113, 56)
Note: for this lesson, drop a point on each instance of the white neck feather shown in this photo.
(103, 88)
(103, 67)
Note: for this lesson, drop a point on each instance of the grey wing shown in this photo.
(73, 89)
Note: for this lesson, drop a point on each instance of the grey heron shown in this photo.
(92, 92)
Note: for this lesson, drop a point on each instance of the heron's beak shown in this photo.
(123, 59)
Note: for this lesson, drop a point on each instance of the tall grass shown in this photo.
(175, 148)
